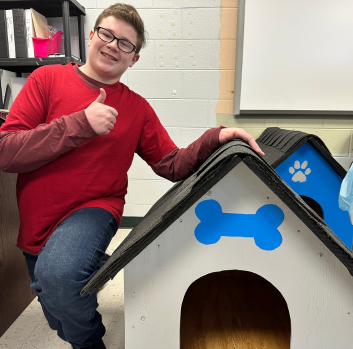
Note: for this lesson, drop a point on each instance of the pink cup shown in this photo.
(40, 47)
(45, 47)
(54, 45)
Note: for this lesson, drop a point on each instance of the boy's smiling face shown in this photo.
(106, 63)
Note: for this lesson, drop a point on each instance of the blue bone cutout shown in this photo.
(262, 225)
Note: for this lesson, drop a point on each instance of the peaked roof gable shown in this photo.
(185, 193)
(304, 162)
(278, 144)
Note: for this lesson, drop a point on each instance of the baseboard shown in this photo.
(129, 222)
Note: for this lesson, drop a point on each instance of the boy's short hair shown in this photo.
(129, 14)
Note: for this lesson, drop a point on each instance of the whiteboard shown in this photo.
(294, 56)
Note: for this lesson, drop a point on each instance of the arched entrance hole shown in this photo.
(234, 309)
(314, 205)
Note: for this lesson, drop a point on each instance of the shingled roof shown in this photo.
(185, 193)
(278, 144)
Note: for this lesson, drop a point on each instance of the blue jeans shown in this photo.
(69, 259)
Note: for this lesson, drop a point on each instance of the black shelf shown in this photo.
(27, 65)
(48, 8)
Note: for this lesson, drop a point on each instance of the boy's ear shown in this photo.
(135, 59)
(91, 33)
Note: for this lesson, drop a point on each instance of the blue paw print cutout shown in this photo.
(262, 226)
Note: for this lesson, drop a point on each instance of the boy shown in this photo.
(71, 135)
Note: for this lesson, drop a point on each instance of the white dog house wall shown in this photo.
(232, 257)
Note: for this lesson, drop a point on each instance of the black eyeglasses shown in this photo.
(124, 45)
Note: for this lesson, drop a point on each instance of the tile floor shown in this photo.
(31, 330)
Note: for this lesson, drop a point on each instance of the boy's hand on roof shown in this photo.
(100, 116)
(228, 134)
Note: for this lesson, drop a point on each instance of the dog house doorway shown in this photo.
(234, 309)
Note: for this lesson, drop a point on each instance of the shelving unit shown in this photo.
(48, 8)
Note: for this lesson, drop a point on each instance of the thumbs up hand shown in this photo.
(100, 116)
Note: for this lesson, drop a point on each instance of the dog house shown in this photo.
(232, 257)
(307, 166)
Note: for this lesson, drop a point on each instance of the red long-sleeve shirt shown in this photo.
(64, 165)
